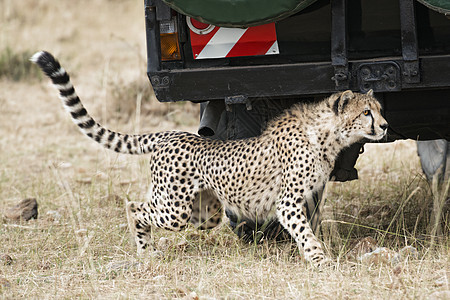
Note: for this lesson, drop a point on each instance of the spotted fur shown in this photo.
(259, 178)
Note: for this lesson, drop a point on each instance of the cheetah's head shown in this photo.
(361, 115)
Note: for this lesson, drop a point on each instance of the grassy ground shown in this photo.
(80, 247)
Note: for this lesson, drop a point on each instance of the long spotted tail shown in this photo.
(122, 143)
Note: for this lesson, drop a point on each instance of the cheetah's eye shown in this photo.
(366, 112)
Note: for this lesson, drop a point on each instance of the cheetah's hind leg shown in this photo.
(139, 223)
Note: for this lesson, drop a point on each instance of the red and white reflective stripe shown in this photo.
(233, 42)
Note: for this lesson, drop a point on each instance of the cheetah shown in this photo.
(261, 178)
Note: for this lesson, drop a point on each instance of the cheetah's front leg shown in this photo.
(291, 216)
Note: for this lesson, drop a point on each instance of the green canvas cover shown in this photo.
(441, 6)
(238, 13)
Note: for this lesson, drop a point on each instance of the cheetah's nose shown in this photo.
(384, 126)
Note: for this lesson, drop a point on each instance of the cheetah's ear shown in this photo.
(370, 93)
(342, 101)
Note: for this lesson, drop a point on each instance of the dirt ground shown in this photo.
(79, 246)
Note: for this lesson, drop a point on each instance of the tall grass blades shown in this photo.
(16, 65)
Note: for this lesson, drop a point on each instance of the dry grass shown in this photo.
(79, 246)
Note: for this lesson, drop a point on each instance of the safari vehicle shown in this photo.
(245, 61)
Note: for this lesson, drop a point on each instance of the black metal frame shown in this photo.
(283, 80)
(290, 80)
(152, 38)
(410, 49)
(339, 56)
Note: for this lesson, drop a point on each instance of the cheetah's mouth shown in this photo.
(375, 136)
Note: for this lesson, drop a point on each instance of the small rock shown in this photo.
(26, 210)
(405, 253)
(381, 255)
(385, 255)
(6, 259)
(361, 247)
(408, 252)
